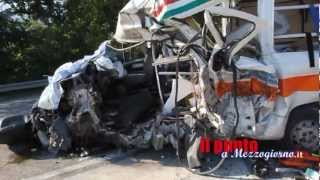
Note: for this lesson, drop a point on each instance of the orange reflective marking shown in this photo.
(301, 83)
(247, 88)
(286, 86)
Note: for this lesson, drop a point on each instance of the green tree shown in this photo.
(39, 35)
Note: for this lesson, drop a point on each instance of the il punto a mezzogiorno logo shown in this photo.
(218, 146)
(243, 148)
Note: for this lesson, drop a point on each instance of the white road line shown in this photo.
(114, 156)
(68, 169)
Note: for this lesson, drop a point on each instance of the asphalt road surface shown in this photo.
(24, 161)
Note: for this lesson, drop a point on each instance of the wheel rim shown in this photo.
(305, 134)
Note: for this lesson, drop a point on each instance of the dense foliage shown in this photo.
(36, 36)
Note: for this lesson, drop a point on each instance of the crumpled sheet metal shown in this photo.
(253, 77)
(185, 88)
(257, 90)
(154, 133)
(51, 95)
(130, 25)
(257, 82)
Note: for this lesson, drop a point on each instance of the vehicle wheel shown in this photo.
(14, 130)
(303, 130)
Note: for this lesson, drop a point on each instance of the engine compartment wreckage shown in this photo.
(196, 79)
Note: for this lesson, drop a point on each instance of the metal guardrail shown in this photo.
(23, 85)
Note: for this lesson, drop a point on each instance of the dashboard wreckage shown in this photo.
(198, 77)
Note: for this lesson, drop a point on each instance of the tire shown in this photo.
(14, 130)
(302, 132)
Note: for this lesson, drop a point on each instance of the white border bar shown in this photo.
(294, 7)
(297, 35)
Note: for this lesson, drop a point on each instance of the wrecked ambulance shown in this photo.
(197, 77)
